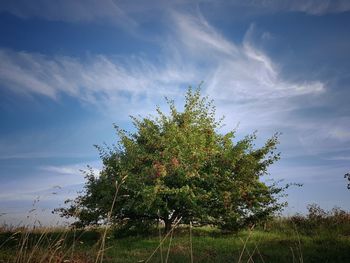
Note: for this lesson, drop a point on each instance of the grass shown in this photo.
(279, 241)
(321, 236)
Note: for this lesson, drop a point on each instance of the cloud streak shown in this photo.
(237, 72)
(87, 11)
(96, 80)
(68, 169)
(311, 7)
(230, 71)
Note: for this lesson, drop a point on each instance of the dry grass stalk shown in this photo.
(101, 251)
(177, 221)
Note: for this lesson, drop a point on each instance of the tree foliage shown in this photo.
(179, 165)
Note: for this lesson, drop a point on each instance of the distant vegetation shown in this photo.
(180, 168)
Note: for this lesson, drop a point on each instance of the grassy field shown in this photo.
(296, 239)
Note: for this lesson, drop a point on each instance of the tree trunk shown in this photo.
(168, 225)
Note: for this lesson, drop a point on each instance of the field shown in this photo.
(322, 238)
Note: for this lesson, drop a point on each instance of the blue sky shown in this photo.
(70, 69)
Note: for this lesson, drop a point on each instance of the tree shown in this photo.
(180, 166)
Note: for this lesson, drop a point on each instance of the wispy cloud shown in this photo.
(250, 90)
(96, 11)
(46, 194)
(35, 196)
(49, 183)
(197, 35)
(95, 80)
(34, 206)
(312, 7)
(235, 72)
(194, 52)
(242, 78)
(75, 169)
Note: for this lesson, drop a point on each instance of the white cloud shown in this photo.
(68, 169)
(198, 36)
(98, 80)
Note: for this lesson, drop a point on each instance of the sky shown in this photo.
(69, 70)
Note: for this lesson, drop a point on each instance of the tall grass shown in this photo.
(319, 236)
(101, 251)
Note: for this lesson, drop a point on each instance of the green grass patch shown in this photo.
(280, 241)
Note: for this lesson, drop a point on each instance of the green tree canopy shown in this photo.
(179, 165)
